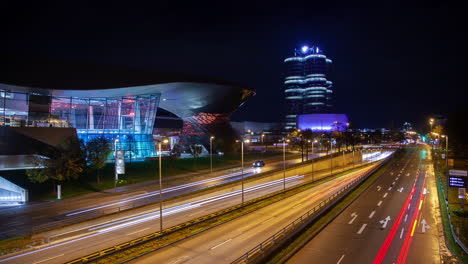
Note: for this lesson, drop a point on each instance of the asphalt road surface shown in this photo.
(78, 240)
(396, 220)
(20, 220)
(225, 243)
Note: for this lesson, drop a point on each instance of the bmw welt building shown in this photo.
(40, 99)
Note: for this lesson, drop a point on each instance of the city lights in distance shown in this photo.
(304, 49)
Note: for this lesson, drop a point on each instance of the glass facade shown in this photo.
(306, 87)
(128, 118)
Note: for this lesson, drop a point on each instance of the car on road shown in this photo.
(258, 163)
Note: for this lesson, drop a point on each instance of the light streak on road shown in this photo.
(102, 229)
(248, 172)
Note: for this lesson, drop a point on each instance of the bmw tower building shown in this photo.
(306, 86)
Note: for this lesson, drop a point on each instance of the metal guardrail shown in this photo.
(261, 249)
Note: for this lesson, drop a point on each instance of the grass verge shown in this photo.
(449, 240)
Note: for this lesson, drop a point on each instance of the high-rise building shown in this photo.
(306, 87)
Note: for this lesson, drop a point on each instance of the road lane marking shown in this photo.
(179, 260)
(420, 205)
(47, 259)
(380, 202)
(406, 216)
(267, 220)
(353, 217)
(409, 205)
(401, 234)
(221, 244)
(361, 229)
(414, 227)
(385, 195)
(390, 188)
(372, 214)
(378, 188)
(138, 231)
(340, 259)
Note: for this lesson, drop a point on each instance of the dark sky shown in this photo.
(389, 64)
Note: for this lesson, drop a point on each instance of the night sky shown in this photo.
(389, 64)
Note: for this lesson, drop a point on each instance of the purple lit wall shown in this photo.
(322, 122)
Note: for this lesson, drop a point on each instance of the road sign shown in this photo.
(120, 162)
(458, 173)
(443, 156)
(461, 193)
(457, 182)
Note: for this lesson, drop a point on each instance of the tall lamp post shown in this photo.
(264, 147)
(312, 163)
(446, 164)
(160, 185)
(211, 154)
(284, 163)
(431, 122)
(242, 165)
(116, 176)
(331, 158)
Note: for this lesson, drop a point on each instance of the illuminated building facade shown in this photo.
(307, 87)
(113, 103)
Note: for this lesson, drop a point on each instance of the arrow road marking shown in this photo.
(385, 221)
(424, 225)
(425, 191)
(372, 214)
(400, 190)
(378, 188)
(361, 229)
(353, 217)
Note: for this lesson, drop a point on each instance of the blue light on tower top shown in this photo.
(306, 50)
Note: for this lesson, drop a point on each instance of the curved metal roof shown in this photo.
(182, 95)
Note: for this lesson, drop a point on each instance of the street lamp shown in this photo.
(211, 154)
(446, 164)
(160, 184)
(242, 165)
(116, 177)
(312, 165)
(331, 158)
(284, 163)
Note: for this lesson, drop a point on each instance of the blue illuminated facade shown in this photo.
(129, 118)
(307, 87)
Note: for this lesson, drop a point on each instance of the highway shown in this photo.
(396, 220)
(78, 240)
(20, 220)
(225, 243)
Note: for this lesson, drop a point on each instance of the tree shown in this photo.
(195, 150)
(64, 162)
(97, 151)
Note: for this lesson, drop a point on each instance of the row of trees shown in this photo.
(70, 160)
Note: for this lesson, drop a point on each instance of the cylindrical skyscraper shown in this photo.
(306, 87)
